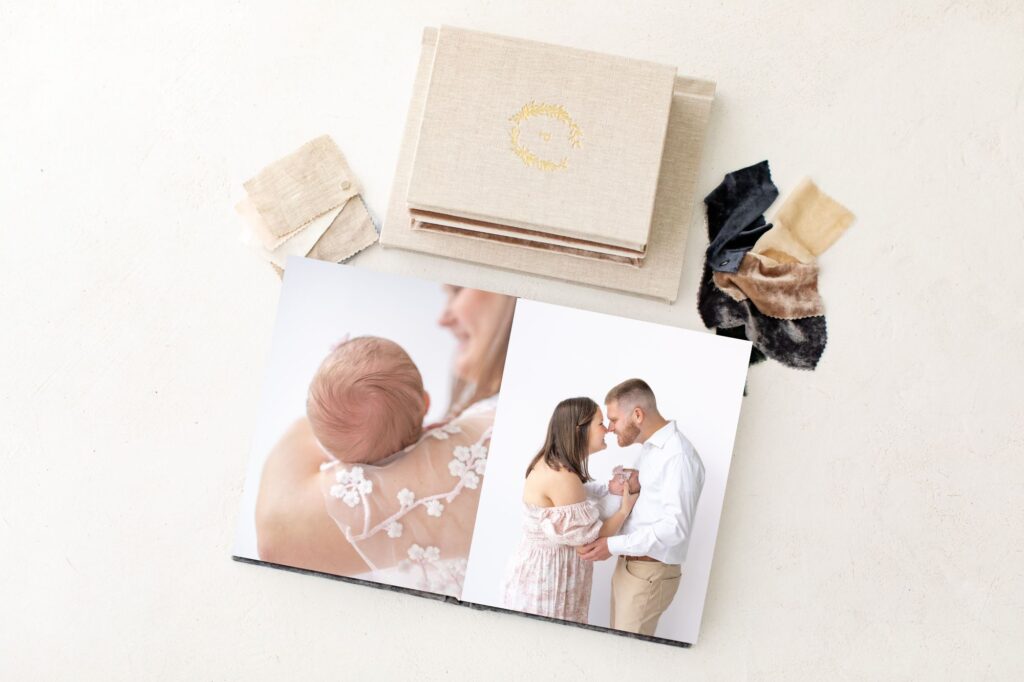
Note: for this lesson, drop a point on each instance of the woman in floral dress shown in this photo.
(546, 576)
(406, 520)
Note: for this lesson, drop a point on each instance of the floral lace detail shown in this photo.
(417, 535)
(406, 497)
(431, 572)
(469, 460)
(444, 431)
(469, 464)
(351, 486)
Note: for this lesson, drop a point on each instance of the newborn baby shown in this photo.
(366, 401)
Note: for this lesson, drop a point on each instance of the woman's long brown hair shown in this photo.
(568, 438)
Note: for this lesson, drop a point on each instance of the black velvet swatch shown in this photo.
(734, 210)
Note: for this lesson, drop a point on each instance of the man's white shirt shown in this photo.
(671, 480)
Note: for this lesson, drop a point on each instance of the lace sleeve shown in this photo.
(415, 513)
(573, 524)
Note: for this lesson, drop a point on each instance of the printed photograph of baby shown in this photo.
(375, 424)
(607, 472)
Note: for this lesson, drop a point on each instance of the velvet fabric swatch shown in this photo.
(788, 291)
(734, 211)
(738, 201)
(795, 343)
(808, 222)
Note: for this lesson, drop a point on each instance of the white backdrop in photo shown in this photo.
(557, 353)
(320, 303)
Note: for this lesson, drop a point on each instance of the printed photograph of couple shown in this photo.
(607, 472)
(555, 462)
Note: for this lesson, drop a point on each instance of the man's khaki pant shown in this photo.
(641, 591)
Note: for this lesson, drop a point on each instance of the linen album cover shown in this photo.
(541, 137)
(661, 270)
(490, 451)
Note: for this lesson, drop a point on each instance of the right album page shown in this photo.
(607, 471)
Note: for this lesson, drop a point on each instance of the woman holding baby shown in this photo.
(332, 500)
(546, 575)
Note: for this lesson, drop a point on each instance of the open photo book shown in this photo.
(491, 451)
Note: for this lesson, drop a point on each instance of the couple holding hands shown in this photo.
(643, 516)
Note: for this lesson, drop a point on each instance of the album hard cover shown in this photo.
(492, 452)
(657, 274)
(543, 138)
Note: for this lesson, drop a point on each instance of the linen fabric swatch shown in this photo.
(303, 185)
(351, 231)
(306, 204)
(298, 243)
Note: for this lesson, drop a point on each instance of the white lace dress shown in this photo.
(411, 517)
(545, 575)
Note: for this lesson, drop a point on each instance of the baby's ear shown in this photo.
(426, 403)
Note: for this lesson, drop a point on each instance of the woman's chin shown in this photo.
(463, 364)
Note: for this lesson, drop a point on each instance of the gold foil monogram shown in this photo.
(540, 112)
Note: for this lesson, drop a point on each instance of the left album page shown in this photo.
(374, 426)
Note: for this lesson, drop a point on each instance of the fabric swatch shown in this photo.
(298, 243)
(787, 291)
(797, 343)
(808, 222)
(734, 212)
(351, 232)
(293, 191)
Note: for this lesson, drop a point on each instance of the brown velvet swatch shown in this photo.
(787, 291)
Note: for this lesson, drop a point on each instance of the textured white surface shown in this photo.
(872, 525)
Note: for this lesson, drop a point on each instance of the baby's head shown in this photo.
(367, 400)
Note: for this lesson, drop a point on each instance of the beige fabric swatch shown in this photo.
(808, 222)
(298, 243)
(293, 191)
(350, 232)
(660, 274)
(788, 291)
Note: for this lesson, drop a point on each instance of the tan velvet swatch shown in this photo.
(787, 291)
(293, 191)
(808, 222)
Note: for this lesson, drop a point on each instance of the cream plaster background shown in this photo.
(872, 524)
